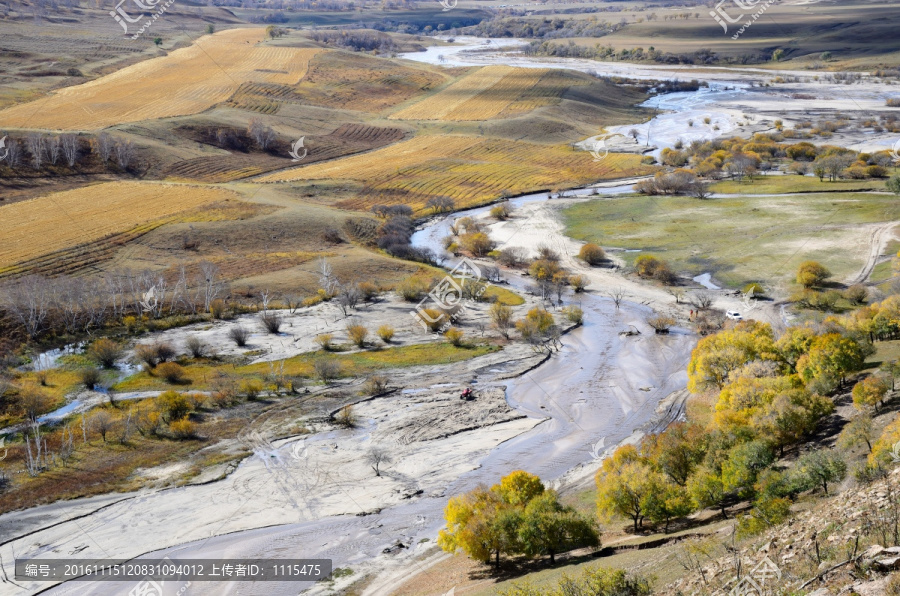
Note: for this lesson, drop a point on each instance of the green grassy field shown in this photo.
(738, 239)
(789, 184)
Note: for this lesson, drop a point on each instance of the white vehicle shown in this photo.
(734, 315)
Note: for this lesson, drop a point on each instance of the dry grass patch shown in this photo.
(487, 93)
(470, 170)
(186, 81)
(64, 219)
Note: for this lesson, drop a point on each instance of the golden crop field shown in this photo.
(478, 96)
(60, 220)
(187, 81)
(469, 169)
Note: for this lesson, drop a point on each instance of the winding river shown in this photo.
(592, 394)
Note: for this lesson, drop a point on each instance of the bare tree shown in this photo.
(28, 301)
(124, 152)
(326, 369)
(702, 300)
(327, 280)
(66, 445)
(262, 134)
(440, 204)
(53, 149)
(35, 143)
(376, 457)
(209, 275)
(70, 148)
(103, 146)
(14, 153)
(617, 296)
(348, 297)
(103, 422)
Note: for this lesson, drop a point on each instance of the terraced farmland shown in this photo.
(471, 170)
(488, 93)
(187, 81)
(64, 220)
(345, 140)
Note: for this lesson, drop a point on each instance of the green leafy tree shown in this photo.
(707, 490)
(677, 450)
(666, 502)
(893, 184)
(819, 468)
(858, 430)
(745, 462)
(548, 528)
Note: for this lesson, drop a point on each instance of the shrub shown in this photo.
(345, 417)
(592, 254)
(251, 388)
(433, 318)
(454, 336)
(173, 405)
(324, 340)
(357, 333)
(164, 351)
(271, 322)
(573, 314)
(757, 289)
(477, 243)
(239, 335)
(412, 289)
(661, 323)
(544, 269)
(105, 352)
(217, 308)
(326, 369)
(146, 354)
(376, 385)
(386, 333)
(196, 347)
(512, 257)
(501, 211)
(183, 429)
(368, 291)
(172, 372)
(646, 265)
(90, 377)
(579, 283)
(857, 294)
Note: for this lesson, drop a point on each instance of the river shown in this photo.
(595, 392)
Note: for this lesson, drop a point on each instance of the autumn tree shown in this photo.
(716, 356)
(625, 482)
(830, 358)
(811, 273)
(869, 392)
